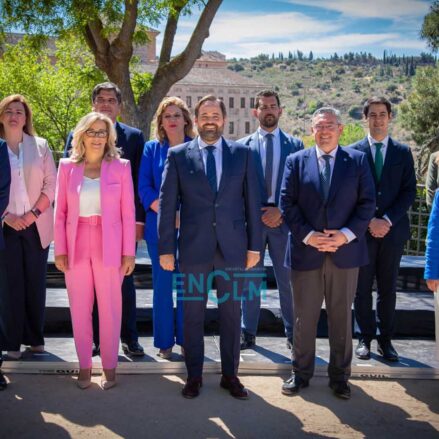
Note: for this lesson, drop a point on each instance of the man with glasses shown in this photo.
(327, 200)
(107, 99)
(270, 147)
(393, 169)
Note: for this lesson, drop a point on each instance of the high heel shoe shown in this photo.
(85, 382)
(166, 354)
(108, 379)
(13, 355)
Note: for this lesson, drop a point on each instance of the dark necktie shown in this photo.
(211, 168)
(379, 162)
(325, 176)
(268, 163)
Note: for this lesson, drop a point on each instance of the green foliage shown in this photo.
(420, 112)
(141, 83)
(430, 27)
(352, 132)
(57, 84)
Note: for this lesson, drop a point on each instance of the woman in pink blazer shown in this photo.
(95, 239)
(28, 227)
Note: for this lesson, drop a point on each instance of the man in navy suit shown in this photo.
(212, 180)
(393, 169)
(5, 181)
(327, 200)
(107, 99)
(270, 147)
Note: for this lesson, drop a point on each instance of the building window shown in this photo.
(247, 128)
(252, 102)
(189, 101)
(231, 127)
(231, 102)
(242, 102)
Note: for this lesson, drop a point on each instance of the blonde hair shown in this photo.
(160, 133)
(78, 148)
(4, 103)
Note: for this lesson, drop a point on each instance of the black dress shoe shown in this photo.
(3, 383)
(133, 349)
(341, 389)
(247, 341)
(234, 386)
(363, 350)
(293, 385)
(290, 343)
(388, 352)
(192, 387)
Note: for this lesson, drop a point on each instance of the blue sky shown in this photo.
(246, 28)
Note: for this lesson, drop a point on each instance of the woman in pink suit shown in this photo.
(95, 239)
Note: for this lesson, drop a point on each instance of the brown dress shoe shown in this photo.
(192, 387)
(234, 386)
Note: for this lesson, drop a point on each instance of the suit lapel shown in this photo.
(365, 147)
(313, 170)
(285, 149)
(391, 158)
(226, 166)
(340, 167)
(255, 147)
(196, 164)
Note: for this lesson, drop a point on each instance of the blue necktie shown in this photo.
(268, 163)
(325, 176)
(211, 168)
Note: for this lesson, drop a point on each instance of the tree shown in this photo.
(110, 29)
(430, 27)
(58, 92)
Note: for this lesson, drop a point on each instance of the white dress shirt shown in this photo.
(217, 153)
(19, 203)
(90, 197)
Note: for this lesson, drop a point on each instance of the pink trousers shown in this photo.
(87, 274)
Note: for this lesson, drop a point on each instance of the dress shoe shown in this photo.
(108, 379)
(3, 383)
(133, 349)
(247, 341)
(84, 378)
(363, 350)
(293, 385)
(341, 389)
(13, 355)
(388, 352)
(234, 386)
(192, 387)
(166, 354)
(289, 343)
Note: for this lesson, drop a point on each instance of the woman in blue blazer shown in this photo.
(173, 127)
(431, 274)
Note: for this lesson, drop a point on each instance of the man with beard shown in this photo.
(212, 180)
(270, 147)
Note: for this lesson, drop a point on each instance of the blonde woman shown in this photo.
(95, 239)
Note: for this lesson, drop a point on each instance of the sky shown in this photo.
(247, 28)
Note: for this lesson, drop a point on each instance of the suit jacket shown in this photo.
(396, 191)
(150, 180)
(5, 181)
(351, 204)
(130, 140)
(288, 144)
(432, 247)
(117, 210)
(230, 219)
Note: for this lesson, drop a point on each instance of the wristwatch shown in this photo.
(36, 212)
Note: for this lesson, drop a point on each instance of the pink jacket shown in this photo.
(117, 210)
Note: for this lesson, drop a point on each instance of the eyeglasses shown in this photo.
(111, 101)
(101, 133)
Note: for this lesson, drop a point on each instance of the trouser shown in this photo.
(85, 276)
(337, 286)
(26, 263)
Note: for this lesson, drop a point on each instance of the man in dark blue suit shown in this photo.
(392, 166)
(5, 181)
(270, 147)
(107, 99)
(327, 200)
(212, 180)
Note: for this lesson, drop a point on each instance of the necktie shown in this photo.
(211, 168)
(379, 163)
(268, 163)
(326, 175)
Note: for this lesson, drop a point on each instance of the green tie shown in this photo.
(378, 160)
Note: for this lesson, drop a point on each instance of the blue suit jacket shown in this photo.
(130, 140)
(432, 248)
(230, 220)
(5, 181)
(150, 179)
(351, 204)
(288, 144)
(396, 191)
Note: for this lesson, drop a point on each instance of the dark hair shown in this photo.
(106, 86)
(266, 94)
(210, 98)
(376, 100)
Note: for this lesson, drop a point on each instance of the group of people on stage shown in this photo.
(334, 219)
